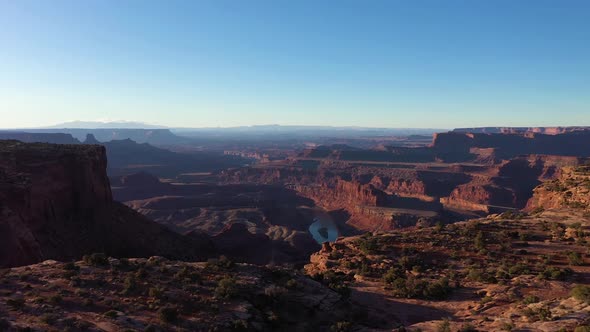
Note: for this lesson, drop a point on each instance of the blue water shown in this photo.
(330, 229)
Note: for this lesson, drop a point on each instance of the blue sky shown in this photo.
(426, 64)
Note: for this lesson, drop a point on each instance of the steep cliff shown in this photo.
(570, 189)
(521, 130)
(573, 143)
(56, 202)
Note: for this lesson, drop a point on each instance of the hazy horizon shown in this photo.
(381, 64)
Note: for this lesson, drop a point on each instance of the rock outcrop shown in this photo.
(571, 189)
(522, 130)
(574, 143)
(56, 203)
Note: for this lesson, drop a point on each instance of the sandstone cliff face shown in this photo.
(56, 138)
(570, 189)
(574, 143)
(521, 130)
(56, 202)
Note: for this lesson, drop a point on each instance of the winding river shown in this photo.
(323, 229)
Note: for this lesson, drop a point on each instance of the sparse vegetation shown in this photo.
(226, 288)
(168, 314)
(341, 327)
(96, 259)
(581, 293)
(444, 326)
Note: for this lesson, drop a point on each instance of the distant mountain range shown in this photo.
(104, 125)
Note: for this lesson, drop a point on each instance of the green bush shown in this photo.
(575, 258)
(582, 328)
(17, 303)
(71, 266)
(221, 263)
(555, 273)
(55, 299)
(111, 314)
(341, 327)
(96, 259)
(418, 288)
(444, 326)
(479, 241)
(368, 244)
(130, 285)
(530, 299)
(480, 275)
(156, 292)
(468, 328)
(226, 288)
(582, 293)
(168, 314)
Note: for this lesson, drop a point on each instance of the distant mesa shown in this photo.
(27, 137)
(90, 139)
(521, 130)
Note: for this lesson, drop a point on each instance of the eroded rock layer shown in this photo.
(56, 202)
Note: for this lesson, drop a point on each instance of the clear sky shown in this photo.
(391, 63)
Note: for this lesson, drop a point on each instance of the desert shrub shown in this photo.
(96, 259)
(513, 215)
(523, 236)
(507, 326)
(55, 299)
(479, 241)
(407, 262)
(417, 288)
(518, 269)
(530, 299)
(187, 274)
(156, 292)
(240, 325)
(392, 274)
(368, 244)
(582, 328)
(575, 258)
(226, 288)
(168, 314)
(130, 285)
(336, 281)
(71, 266)
(542, 314)
(292, 284)
(364, 268)
(48, 319)
(486, 299)
(480, 275)
(467, 328)
(581, 293)
(221, 263)
(111, 314)
(341, 327)
(17, 303)
(444, 326)
(555, 273)
(141, 273)
(275, 292)
(151, 328)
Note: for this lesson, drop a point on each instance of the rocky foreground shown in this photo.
(155, 294)
(501, 273)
